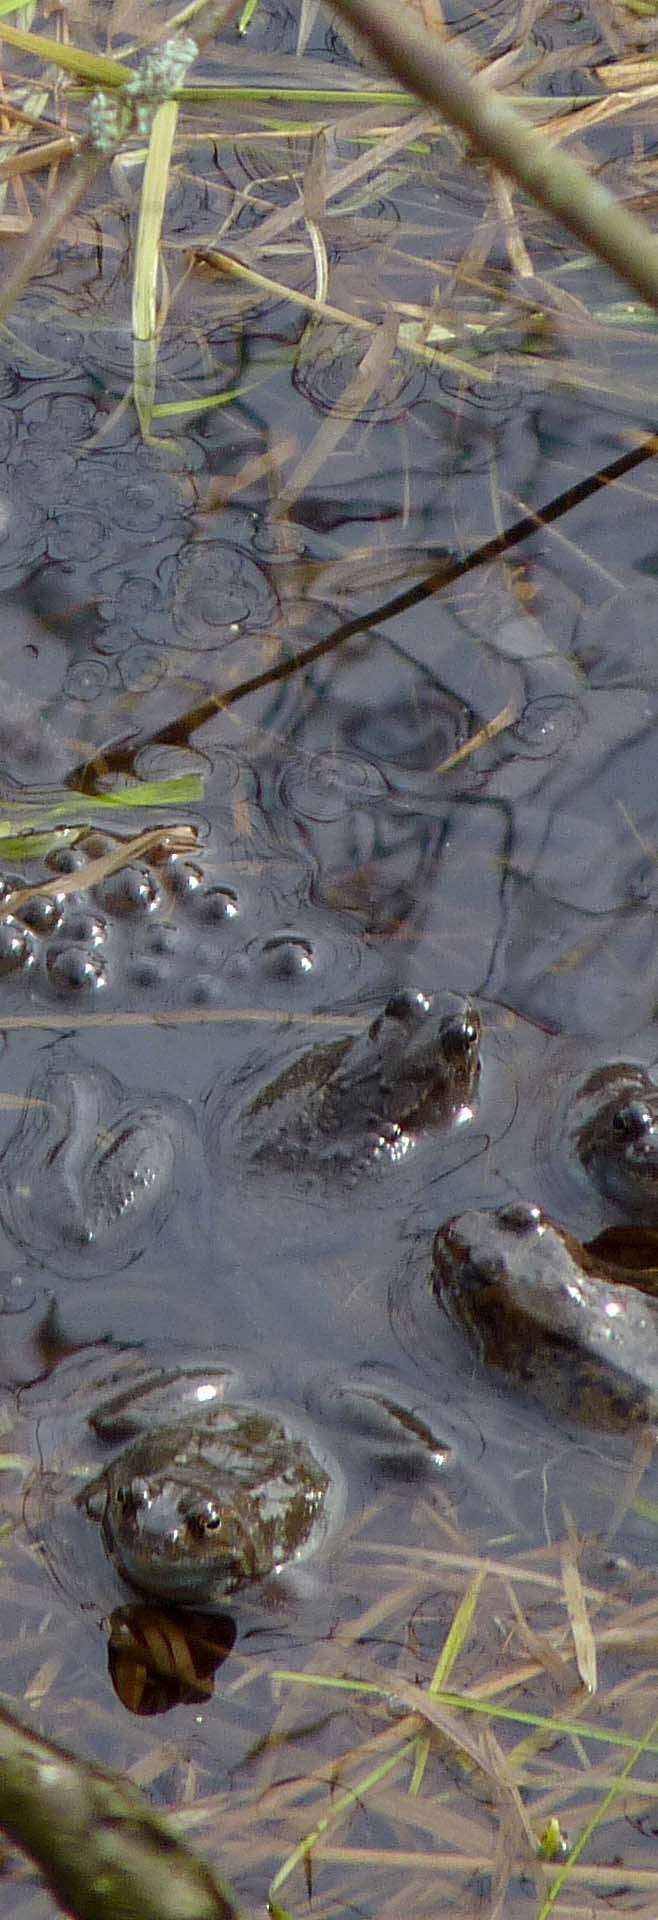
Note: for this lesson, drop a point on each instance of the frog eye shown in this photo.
(632, 1121)
(460, 1036)
(203, 1520)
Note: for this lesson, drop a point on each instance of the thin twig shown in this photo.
(173, 839)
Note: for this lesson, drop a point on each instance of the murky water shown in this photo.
(346, 847)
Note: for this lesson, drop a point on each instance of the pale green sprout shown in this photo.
(111, 117)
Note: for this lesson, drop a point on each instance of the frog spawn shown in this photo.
(196, 1544)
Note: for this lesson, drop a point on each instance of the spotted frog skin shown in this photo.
(361, 1100)
(198, 1507)
(539, 1309)
(617, 1140)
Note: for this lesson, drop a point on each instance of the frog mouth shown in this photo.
(428, 1108)
(457, 1274)
(630, 1251)
(174, 1576)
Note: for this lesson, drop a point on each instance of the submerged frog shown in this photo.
(617, 1139)
(536, 1306)
(89, 1177)
(361, 1100)
(202, 1505)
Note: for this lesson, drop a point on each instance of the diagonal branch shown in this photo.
(437, 75)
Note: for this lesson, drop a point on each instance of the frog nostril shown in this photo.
(519, 1218)
(406, 1006)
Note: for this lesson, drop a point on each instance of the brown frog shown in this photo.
(540, 1309)
(616, 1137)
(361, 1101)
(197, 1507)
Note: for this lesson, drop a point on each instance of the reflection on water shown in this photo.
(158, 1660)
(189, 1037)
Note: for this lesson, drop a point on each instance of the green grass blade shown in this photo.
(154, 193)
(167, 409)
(575, 1729)
(93, 67)
(10, 6)
(334, 97)
(155, 186)
(353, 1796)
(184, 791)
(455, 1639)
(639, 1747)
(457, 1635)
(647, 1508)
(34, 846)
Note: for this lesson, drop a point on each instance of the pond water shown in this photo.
(454, 794)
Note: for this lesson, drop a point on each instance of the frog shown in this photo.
(90, 1176)
(362, 1101)
(201, 1506)
(615, 1135)
(543, 1311)
(196, 1482)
